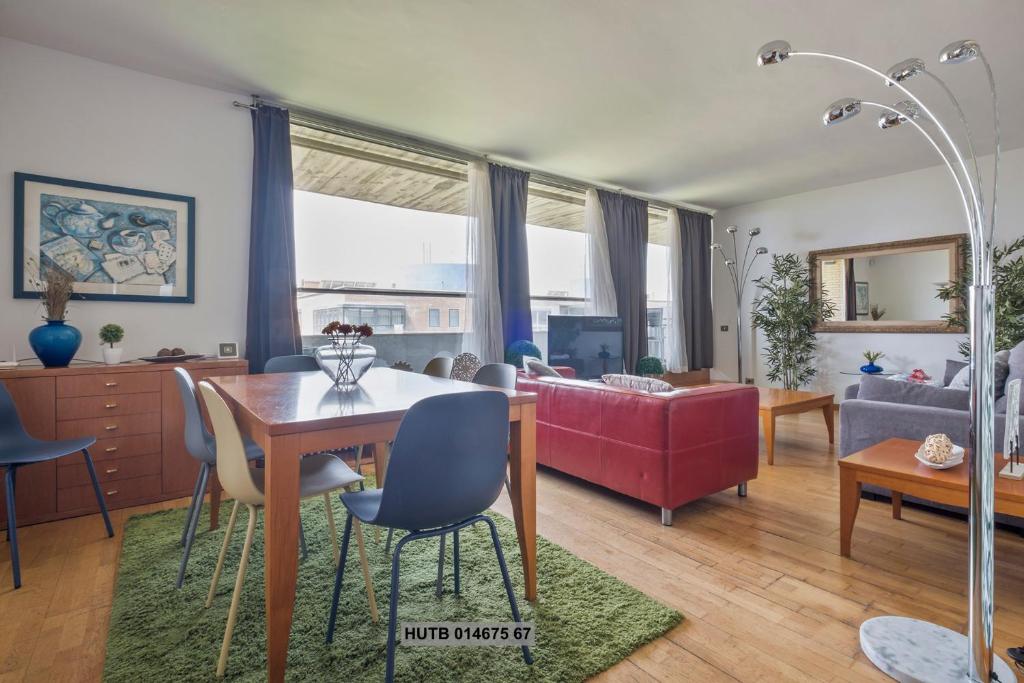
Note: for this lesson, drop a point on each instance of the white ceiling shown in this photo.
(659, 96)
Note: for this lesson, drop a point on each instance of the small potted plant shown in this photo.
(650, 366)
(111, 334)
(871, 357)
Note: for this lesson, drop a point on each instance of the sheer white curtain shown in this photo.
(675, 338)
(600, 288)
(483, 334)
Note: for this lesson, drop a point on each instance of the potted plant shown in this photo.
(650, 366)
(56, 342)
(786, 313)
(111, 334)
(871, 368)
(517, 349)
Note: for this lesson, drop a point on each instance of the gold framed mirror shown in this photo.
(889, 286)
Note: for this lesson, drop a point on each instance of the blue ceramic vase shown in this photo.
(871, 369)
(55, 343)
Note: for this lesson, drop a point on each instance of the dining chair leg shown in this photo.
(12, 526)
(387, 546)
(359, 465)
(204, 474)
(330, 525)
(302, 541)
(191, 509)
(455, 561)
(339, 576)
(367, 579)
(508, 485)
(527, 657)
(237, 594)
(439, 587)
(14, 477)
(223, 553)
(389, 673)
(99, 494)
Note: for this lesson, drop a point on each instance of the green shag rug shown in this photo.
(586, 620)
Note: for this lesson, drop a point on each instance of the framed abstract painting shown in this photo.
(118, 243)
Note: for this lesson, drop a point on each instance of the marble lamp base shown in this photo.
(915, 651)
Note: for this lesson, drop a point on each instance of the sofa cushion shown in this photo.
(878, 389)
(538, 368)
(1015, 364)
(962, 379)
(952, 368)
(648, 384)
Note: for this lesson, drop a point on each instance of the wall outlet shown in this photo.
(748, 380)
(723, 328)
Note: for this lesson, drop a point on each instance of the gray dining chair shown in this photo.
(319, 475)
(200, 444)
(18, 449)
(422, 498)
(501, 376)
(439, 366)
(465, 366)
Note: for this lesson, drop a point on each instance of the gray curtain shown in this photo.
(625, 221)
(697, 320)
(508, 202)
(272, 323)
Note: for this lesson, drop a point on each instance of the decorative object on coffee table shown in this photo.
(872, 368)
(979, 660)
(739, 274)
(1011, 436)
(786, 313)
(111, 334)
(56, 342)
(775, 402)
(650, 366)
(345, 359)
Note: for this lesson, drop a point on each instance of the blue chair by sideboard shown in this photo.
(18, 449)
(463, 433)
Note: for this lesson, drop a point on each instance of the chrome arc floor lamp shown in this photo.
(910, 649)
(739, 273)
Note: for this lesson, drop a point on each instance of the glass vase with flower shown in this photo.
(346, 359)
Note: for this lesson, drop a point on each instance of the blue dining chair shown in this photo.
(421, 497)
(296, 363)
(18, 449)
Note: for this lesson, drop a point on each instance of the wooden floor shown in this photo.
(765, 593)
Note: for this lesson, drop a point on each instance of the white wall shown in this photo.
(75, 118)
(905, 206)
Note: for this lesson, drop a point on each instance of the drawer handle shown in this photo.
(112, 492)
(110, 406)
(112, 470)
(110, 384)
(112, 449)
(110, 428)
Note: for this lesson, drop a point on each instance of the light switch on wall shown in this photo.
(723, 328)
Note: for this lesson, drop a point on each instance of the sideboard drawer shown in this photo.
(107, 384)
(102, 406)
(106, 427)
(119, 447)
(77, 474)
(115, 493)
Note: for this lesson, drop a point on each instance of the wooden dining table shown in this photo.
(289, 414)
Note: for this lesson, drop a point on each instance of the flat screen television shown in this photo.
(589, 344)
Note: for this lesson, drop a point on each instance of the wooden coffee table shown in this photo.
(775, 402)
(892, 465)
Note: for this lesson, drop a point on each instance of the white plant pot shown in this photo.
(111, 356)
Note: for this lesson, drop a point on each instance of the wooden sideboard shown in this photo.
(134, 410)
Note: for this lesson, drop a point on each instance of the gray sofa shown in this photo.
(902, 410)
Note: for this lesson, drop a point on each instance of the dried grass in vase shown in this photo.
(56, 286)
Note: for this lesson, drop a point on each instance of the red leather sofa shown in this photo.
(666, 449)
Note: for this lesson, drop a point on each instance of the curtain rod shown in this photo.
(370, 133)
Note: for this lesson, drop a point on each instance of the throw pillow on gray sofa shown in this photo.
(1015, 371)
(962, 379)
(952, 368)
(879, 389)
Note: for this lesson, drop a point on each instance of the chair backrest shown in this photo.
(447, 462)
(11, 428)
(197, 438)
(232, 466)
(501, 375)
(465, 366)
(297, 363)
(439, 366)
(444, 354)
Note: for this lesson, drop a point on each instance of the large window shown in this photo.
(657, 295)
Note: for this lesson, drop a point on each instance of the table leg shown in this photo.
(281, 523)
(215, 491)
(849, 502)
(768, 424)
(897, 505)
(523, 478)
(381, 453)
(830, 421)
